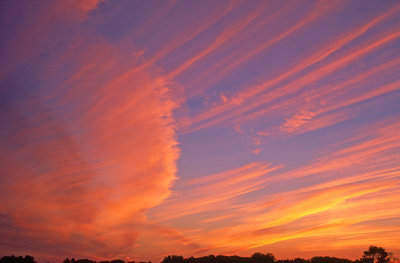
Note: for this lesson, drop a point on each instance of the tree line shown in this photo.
(374, 254)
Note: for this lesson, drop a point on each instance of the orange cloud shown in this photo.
(211, 191)
(84, 162)
(343, 192)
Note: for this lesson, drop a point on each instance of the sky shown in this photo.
(140, 129)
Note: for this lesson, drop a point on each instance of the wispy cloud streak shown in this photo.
(350, 187)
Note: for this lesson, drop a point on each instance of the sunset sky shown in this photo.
(139, 129)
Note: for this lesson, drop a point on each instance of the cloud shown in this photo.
(227, 34)
(298, 120)
(86, 152)
(256, 101)
(344, 195)
(210, 192)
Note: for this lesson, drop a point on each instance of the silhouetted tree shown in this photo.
(300, 260)
(329, 260)
(262, 258)
(376, 254)
(20, 259)
(392, 258)
(173, 259)
(85, 261)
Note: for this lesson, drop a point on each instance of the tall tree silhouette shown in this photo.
(376, 254)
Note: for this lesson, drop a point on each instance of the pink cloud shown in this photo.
(84, 162)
